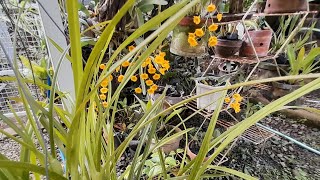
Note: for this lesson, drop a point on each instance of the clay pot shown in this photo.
(193, 155)
(173, 144)
(226, 48)
(261, 41)
(179, 44)
(285, 6)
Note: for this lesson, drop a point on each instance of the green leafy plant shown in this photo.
(153, 166)
(286, 28)
(302, 63)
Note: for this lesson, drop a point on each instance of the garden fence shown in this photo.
(30, 42)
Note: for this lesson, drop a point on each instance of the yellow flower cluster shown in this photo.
(104, 90)
(236, 103)
(213, 41)
(152, 67)
(199, 32)
(192, 40)
(196, 19)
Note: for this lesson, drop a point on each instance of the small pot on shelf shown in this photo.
(285, 6)
(227, 47)
(261, 40)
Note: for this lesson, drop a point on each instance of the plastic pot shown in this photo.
(261, 40)
(226, 48)
(285, 6)
(209, 102)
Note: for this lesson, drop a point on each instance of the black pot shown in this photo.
(282, 59)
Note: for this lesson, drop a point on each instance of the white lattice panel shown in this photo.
(30, 38)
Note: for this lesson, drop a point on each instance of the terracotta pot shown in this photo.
(261, 41)
(173, 144)
(226, 48)
(193, 155)
(179, 43)
(285, 6)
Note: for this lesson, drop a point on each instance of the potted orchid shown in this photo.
(196, 31)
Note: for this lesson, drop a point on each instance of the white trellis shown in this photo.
(29, 44)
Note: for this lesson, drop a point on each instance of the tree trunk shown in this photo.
(236, 6)
(109, 8)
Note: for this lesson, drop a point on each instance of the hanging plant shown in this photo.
(195, 32)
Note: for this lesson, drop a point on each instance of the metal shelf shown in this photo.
(245, 60)
(284, 14)
(254, 134)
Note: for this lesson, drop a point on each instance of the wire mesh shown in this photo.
(29, 43)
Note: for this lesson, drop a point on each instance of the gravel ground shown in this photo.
(10, 148)
(279, 158)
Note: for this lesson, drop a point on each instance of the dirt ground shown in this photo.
(279, 158)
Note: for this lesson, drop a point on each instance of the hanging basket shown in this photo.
(285, 6)
(179, 44)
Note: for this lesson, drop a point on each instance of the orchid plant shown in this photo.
(212, 28)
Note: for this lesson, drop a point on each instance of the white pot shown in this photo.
(208, 102)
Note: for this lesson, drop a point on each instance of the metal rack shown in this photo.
(254, 134)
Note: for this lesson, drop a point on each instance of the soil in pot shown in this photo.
(173, 144)
(227, 46)
(285, 6)
(261, 43)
